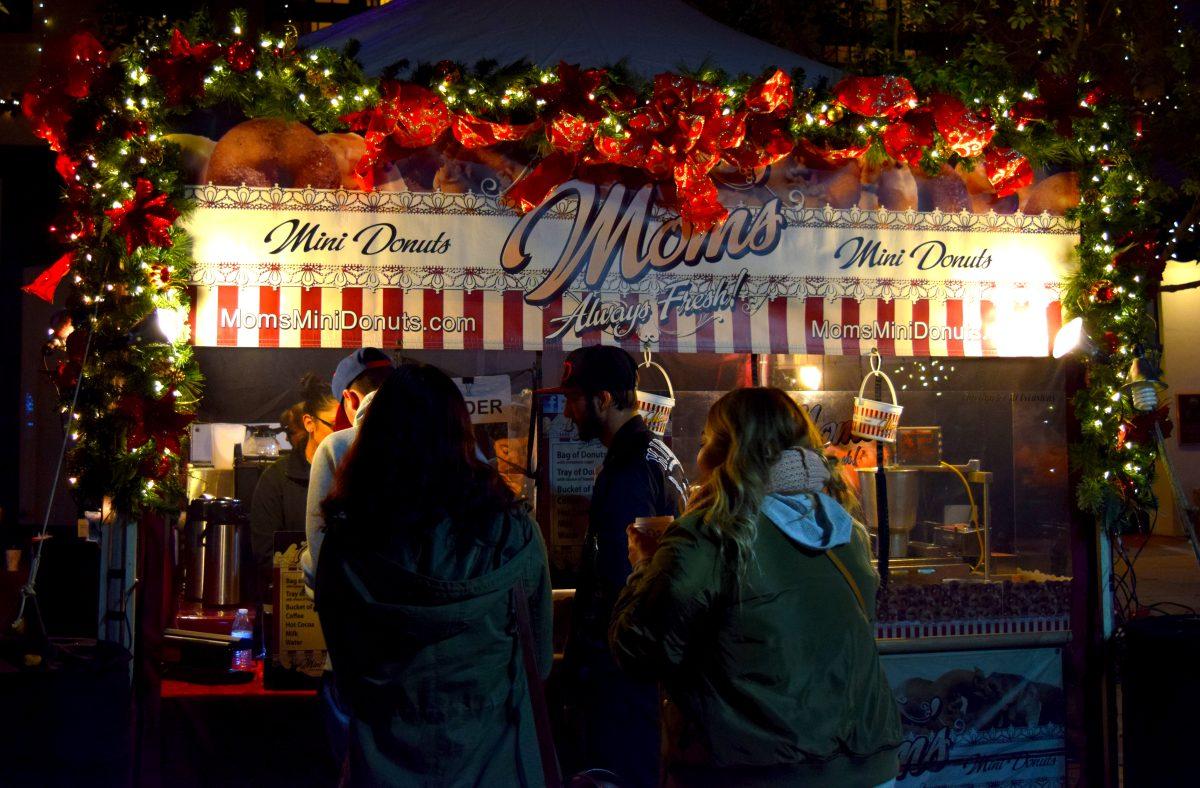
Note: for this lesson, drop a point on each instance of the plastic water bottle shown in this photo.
(243, 657)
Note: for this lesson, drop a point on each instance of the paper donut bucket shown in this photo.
(655, 409)
(875, 420)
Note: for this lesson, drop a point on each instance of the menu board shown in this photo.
(573, 465)
(300, 642)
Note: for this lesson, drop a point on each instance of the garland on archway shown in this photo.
(106, 107)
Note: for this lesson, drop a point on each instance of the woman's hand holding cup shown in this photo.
(643, 536)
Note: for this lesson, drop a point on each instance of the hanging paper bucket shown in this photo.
(875, 420)
(655, 409)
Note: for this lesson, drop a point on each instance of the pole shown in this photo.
(1091, 719)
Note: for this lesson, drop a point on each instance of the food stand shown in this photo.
(777, 247)
(782, 284)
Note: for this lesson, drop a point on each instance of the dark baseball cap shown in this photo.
(597, 368)
(355, 364)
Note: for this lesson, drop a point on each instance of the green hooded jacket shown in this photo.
(424, 641)
(774, 680)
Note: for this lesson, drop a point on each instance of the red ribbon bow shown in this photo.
(180, 72)
(767, 139)
(569, 135)
(876, 97)
(153, 420)
(144, 220)
(70, 67)
(1006, 170)
(407, 116)
(906, 139)
(966, 132)
(677, 139)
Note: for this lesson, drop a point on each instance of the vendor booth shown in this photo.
(875, 251)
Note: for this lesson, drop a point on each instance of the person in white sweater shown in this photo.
(355, 381)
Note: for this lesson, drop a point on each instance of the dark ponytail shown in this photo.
(315, 396)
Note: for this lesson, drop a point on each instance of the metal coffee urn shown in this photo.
(193, 549)
(224, 531)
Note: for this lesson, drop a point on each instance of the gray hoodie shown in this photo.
(325, 462)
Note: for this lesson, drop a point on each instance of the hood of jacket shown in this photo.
(798, 506)
(297, 467)
(434, 588)
(361, 413)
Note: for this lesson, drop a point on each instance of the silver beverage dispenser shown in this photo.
(224, 531)
(903, 495)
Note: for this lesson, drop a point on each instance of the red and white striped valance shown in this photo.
(348, 317)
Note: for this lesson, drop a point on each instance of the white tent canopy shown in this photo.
(650, 36)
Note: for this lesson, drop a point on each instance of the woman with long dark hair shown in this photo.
(755, 614)
(425, 555)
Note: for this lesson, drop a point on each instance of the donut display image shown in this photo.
(794, 181)
(347, 149)
(272, 152)
(195, 151)
(267, 152)
(895, 186)
(1055, 195)
(890, 186)
(945, 192)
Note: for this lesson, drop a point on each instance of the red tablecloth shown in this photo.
(173, 688)
(241, 735)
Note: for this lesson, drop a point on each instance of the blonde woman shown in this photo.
(755, 614)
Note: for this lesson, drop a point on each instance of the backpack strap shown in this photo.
(537, 693)
(841, 567)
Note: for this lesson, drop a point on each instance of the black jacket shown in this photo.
(279, 502)
(640, 477)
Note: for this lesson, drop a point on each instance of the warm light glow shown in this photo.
(810, 377)
(171, 322)
(1068, 337)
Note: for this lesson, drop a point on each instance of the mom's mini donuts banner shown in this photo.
(812, 256)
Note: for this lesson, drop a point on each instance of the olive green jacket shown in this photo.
(424, 639)
(777, 671)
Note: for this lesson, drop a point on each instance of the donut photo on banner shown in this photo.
(266, 152)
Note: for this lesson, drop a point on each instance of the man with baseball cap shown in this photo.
(355, 381)
(640, 477)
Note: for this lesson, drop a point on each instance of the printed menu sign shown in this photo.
(298, 633)
(573, 464)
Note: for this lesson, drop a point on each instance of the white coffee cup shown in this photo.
(654, 526)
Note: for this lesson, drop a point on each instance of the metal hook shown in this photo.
(876, 360)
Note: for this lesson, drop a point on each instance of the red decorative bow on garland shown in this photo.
(1006, 170)
(906, 139)
(569, 135)
(966, 132)
(1143, 256)
(677, 139)
(407, 116)
(767, 140)
(180, 72)
(153, 420)
(70, 67)
(876, 97)
(572, 102)
(144, 220)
